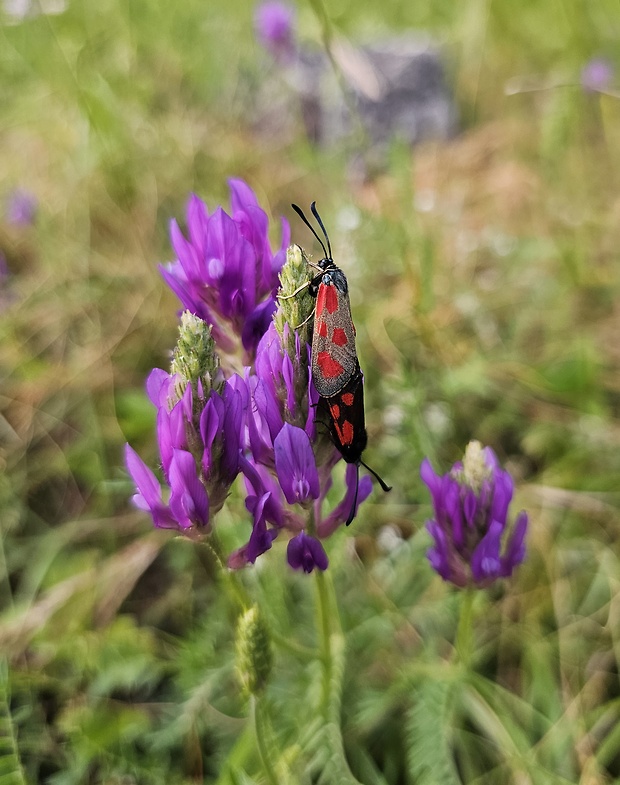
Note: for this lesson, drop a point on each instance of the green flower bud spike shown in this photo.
(195, 359)
(295, 303)
(254, 653)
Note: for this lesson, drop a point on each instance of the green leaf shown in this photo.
(11, 772)
(430, 756)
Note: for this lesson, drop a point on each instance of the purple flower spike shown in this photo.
(274, 22)
(470, 504)
(201, 431)
(295, 465)
(225, 271)
(305, 553)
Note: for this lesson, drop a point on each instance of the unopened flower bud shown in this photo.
(195, 360)
(476, 470)
(254, 653)
(295, 302)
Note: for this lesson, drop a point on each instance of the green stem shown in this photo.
(326, 28)
(327, 35)
(332, 648)
(230, 579)
(324, 627)
(261, 743)
(465, 632)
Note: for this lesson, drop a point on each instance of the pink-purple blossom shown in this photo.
(225, 270)
(305, 553)
(472, 541)
(200, 441)
(274, 24)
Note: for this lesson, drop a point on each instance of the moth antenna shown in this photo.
(383, 484)
(357, 485)
(300, 213)
(315, 213)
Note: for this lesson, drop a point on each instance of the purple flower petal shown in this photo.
(295, 465)
(171, 433)
(502, 496)
(149, 496)
(264, 422)
(190, 258)
(261, 537)
(211, 423)
(280, 256)
(485, 560)
(470, 510)
(439, 555)
(451, 510)
(341, 512)
(305, 553)
(257, 323)
(432, 481)
(234, 418)
(197, 223)
(189, 502)
(159, 385)
(515, 550)
(258, 483)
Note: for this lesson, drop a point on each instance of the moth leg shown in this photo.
(295, 293)
(305, 321)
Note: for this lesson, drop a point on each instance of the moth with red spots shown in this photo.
(336, 371)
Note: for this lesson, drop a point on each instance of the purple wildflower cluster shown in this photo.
(471, 506)
(214, 424)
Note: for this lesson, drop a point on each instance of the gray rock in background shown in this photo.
(365, 97)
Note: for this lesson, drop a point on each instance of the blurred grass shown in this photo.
(485, 285)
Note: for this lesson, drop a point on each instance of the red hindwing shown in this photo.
(334, 357)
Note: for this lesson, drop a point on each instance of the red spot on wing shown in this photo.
(320, 300)
(347, 399)
(339, 337)
(335, 411)
(345, 432)
(322, 329)
(331, 298)
(330, 368)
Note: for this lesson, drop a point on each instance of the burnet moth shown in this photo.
(336, 371)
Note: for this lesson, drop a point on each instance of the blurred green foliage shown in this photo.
(485, 283)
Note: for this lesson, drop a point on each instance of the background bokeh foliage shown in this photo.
(484, 275)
